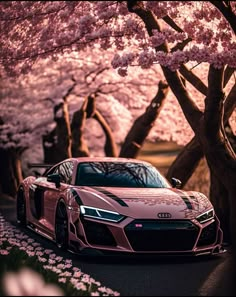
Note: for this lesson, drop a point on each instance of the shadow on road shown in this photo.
(152, 259)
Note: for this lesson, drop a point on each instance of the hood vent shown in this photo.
(187, 202)
(111, 195)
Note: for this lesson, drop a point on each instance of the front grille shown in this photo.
(208, 235)
(98, 234)
(161, 235)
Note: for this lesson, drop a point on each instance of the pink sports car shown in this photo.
(105, 205)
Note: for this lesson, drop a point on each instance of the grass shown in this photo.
(160, 154)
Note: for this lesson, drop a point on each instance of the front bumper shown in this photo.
(135, 236)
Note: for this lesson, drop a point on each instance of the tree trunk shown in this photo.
(49, 147)
(143, 124)
(219, 198)
(188, 159)
(10, 171)
(17, 168)
(57, 143)
(110, 146)
(186, 162)
(227, 11)
(219, 153)
(208, 125)
(79, 146)
(231, 136)
(63, 132)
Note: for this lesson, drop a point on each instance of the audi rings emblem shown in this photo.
(164, 215)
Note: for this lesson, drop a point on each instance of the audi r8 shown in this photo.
(106, 204)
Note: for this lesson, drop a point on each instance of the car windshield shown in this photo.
(118, 174)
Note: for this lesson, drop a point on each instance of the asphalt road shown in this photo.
(150, 276)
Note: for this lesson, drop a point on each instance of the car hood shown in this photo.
(146, 203)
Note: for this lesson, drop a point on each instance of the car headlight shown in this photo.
(206, 216)
(101, 214)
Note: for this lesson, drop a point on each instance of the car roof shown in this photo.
(107, 159)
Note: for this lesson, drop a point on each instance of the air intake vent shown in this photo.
(161, 235)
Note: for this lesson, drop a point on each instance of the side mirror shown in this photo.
(176, 183)
(54, 178)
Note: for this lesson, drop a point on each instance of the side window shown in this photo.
(51, 171)
(66, 171)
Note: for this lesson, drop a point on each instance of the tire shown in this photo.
(21, 208)
(61, 227)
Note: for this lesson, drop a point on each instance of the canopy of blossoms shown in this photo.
(32, 29)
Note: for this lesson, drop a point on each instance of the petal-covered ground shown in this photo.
(11, 237)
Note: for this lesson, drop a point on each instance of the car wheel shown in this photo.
(21, 208)
(61, 227)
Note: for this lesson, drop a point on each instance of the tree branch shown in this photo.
(228, 73)
(144, 123)
(193, 79)
(213, 115)
(188, 74)
(227, 12)
(190, 109)
(110, 146)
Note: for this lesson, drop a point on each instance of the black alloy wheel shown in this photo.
(21, 208)
(61, 227)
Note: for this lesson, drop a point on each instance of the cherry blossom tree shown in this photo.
(177, 35)
(17, 130)
(30, 100)
(207, 125)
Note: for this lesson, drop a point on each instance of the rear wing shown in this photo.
(40, 165)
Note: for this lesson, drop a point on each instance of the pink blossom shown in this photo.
(41, 259)
(28, 283)
(77, 274)
(85, 23)
(157, 39)
(38, 253)
(102, 289)
(116, 61)
(30, 240)
(80, 286)
(50, 261)
(52, 256)
(95, 294)
(30, 248)
(146, 59)
(48, 251)
(30, 253)
(122, 72)
(66, 273)
(4, 252)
